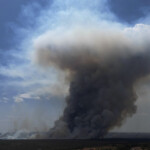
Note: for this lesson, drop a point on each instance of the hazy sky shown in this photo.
(31, 97)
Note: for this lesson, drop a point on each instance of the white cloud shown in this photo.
(18, 99)
(4, 100)
(22, 97)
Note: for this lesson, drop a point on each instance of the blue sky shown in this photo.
(25, 86)
(130, 10)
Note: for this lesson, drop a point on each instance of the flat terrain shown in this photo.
(105, 144)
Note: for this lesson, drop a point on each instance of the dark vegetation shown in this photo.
(107, 144)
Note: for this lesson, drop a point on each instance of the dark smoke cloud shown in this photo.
(102, 68)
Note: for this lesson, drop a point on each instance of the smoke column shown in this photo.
(102, 67)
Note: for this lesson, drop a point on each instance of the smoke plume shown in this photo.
(102, 68)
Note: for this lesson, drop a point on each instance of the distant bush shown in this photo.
(123, 147)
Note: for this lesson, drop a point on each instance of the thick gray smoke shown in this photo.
(102, 70)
